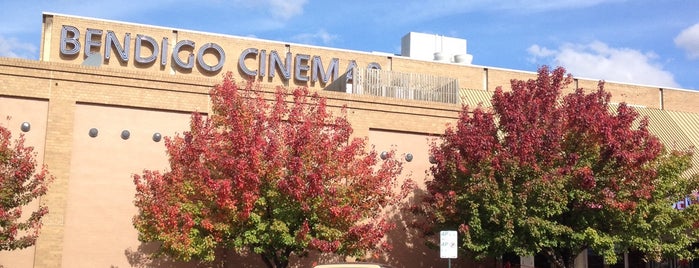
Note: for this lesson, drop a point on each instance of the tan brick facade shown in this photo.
(93, 175)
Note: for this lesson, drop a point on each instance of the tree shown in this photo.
(275, 177)
(545, 173)
(20, 184)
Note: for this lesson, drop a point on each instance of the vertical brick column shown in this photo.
(61, 107)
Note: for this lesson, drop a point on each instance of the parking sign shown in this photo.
(448, 244)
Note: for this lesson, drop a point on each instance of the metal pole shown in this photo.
(449, 263)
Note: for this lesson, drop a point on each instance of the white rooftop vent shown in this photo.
(438, 56)
(463, 58)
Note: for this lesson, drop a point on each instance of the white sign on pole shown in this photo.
(448, 244)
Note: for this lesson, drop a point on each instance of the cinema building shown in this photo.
(103, 93)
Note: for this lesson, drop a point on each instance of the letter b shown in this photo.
(72, 41)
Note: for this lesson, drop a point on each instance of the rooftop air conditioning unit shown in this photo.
(438, 56)
(463, 58)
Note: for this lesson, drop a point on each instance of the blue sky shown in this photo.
(647, 42)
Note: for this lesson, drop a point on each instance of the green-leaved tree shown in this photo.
(547, 173)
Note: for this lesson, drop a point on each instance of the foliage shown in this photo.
(553, 174)
(20, 184)
(274, 177)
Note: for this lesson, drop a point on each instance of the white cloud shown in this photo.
(13, 48)
(541, 52)
(688, 40)
(286, 9)
(321, 37)
(547, 5)
(280, 9)
(597, 60)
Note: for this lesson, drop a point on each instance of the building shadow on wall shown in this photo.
(411, 248)
(145, 257)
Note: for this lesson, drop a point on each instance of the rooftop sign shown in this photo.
(209, 58)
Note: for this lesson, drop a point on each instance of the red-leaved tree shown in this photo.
(275, 177)
(20, 184)
(543, 173)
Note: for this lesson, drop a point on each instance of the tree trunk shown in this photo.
(561, 258)
(282, 264)
(275, 261)
(571, 262)
(222, 261)
(267, 261)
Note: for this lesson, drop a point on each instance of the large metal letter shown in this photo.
(318, 68)
(113, 41)
(374, 65)
(89, 43)
(301, 67)
(263, 63)
(221, 57)
(275, 61)
(241, 61)
(73, 40)
(350, 69)
(137, 50)
(176, 54)
(163, 50)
